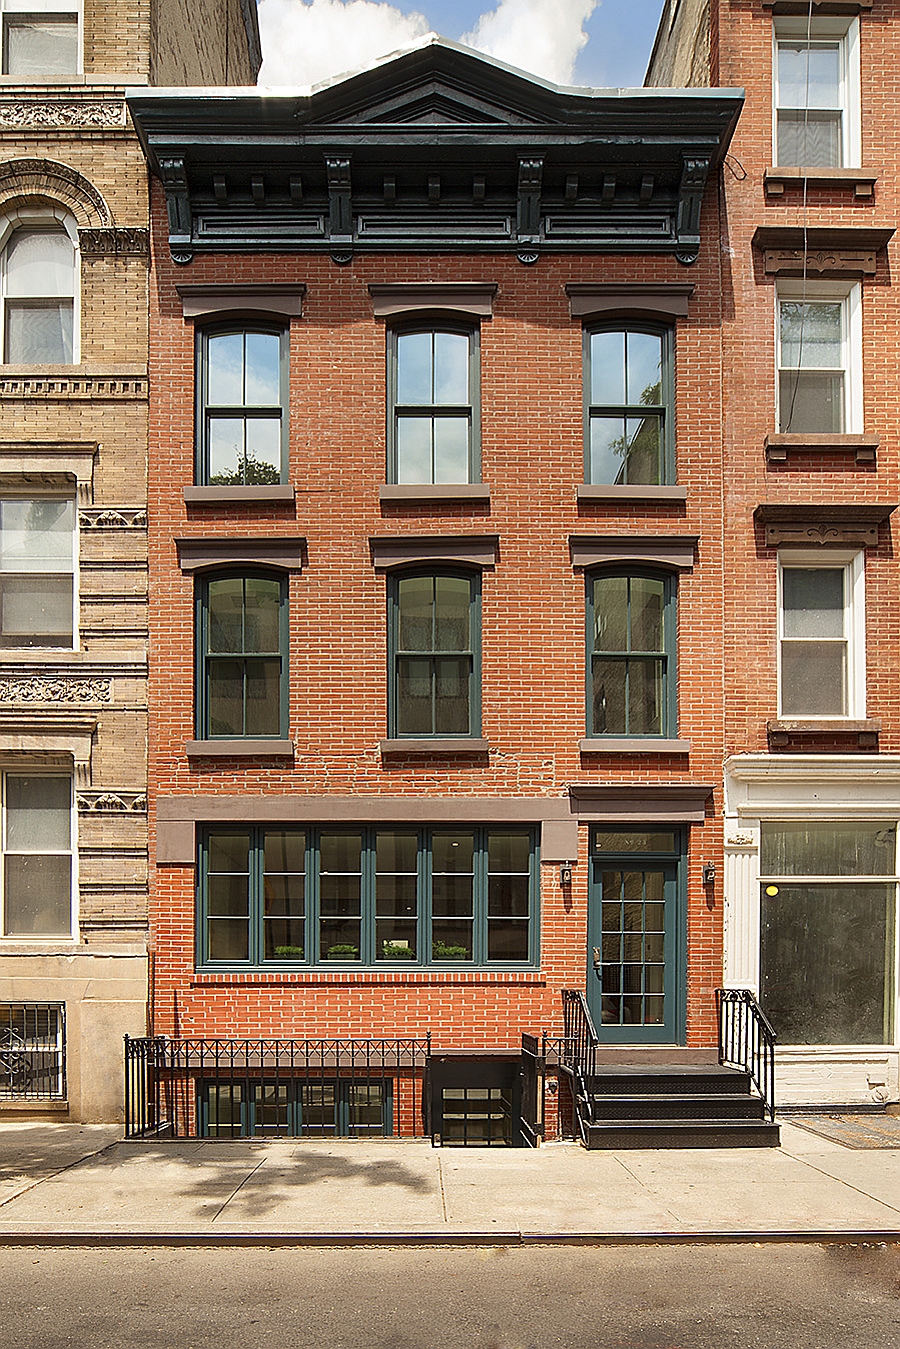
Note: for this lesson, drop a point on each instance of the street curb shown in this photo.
(808, 1236)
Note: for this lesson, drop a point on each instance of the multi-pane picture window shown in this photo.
(434, 654)
(631, 646)
(40, 38)
(296, 1109)
(828, 905)
(37, 851)
(37, 544)
(242, 655)
(433, 405)
(394, 895)
(242, 413)
(813, 366)
(37, 280)
(629, 406)
(816, 89)
(820, 617)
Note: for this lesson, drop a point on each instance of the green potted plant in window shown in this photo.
(289, 952)
(342, 951)
(397, 950)
(441, 950)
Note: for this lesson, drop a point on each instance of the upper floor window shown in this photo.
(434, 671)
(242, 641)
(819, 358)
(817, 92)
(631, 653)
(822, 636)
(628, 405)
(37, 293)
(37, 571)
(433, 412)
(40, 37)
(36, 880)
(242, 412)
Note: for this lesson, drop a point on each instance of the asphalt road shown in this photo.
(662, 1297)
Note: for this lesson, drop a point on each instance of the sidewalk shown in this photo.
(77, 1183)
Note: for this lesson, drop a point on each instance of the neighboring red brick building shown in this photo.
(436, 358)
(810, 332)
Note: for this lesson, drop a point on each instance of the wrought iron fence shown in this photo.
(210, 1087)
(32, 1051)
(747, 1041)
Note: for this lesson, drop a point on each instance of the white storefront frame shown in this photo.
(763, 787)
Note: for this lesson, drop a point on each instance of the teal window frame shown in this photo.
(397, 655)
(239, 411)
(664, 410)
(667, 655)
(204, 656)
(470, 411)
(309, 906)
(247, 1122)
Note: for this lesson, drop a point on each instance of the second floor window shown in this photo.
(40, 38)
(242, 656)
(37, 281)
(628, 406)
(37, 575)
(821, 638)
(36, 844)
(434, 660)
(243, 407)
(433, 420)
(631, 649)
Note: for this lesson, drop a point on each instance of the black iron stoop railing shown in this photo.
(167, 1081)
(578, 1055)
(747, 1041)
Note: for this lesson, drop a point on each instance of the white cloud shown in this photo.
(306, 43)
(543, 36)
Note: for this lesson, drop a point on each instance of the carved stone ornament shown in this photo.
(112, 803)
(820, 262)
(121, 517)
(39, 689)
(797, 525)
(741, 841)
(88, 387)
(119, 242)
(66, 116)
(30, 178)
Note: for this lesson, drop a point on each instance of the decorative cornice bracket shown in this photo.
(340, 212)
(178, 204)
(694, 173)
(528, 209)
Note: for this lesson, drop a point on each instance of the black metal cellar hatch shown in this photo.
(476, 1101)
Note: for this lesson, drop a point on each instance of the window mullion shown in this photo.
(257, 896)
(480, 899)
(368, 884)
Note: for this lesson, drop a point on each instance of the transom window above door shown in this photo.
(433, 414)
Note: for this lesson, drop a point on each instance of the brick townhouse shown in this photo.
(74, 254)
(810, 330)
(436, 592)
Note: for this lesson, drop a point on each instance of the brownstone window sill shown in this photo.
(634, 745)
(432, 748)
(863, 732)
(779, 446)
(588, 493)
(861, 180)
(433, 494)
(239, 749)
(268, 494)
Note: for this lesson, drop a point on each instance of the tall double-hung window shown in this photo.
(37, 571)
(38, 275)
(434, 654)
(433, 404)
(36, 850)
(816, 83)
(819, 358)
(242, 655)
(822, 635)
(631, 654)
(242, 410)
(629, 393)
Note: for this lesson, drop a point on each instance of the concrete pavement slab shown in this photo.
(29, 1153)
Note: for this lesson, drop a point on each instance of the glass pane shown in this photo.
(415, 703)
(609, 685)
(811, 403)
(451, 696)
(263, 684)
(452, 852)
(452, 896)
(611, 613)
(395, 940)
(262, 370)
(813, 601)
(283, 896)
(40, 263)
(340, 852)
(225, 614)
(415, 603)
(814, 679)
(225, 370)
(318, 1105)
(826, 956)
(453, 597)
(451, 941)
(228, 896)
(339, 939)
(507, 941)
(285, 938)
(39, 333)
(451, 449)
(36, 610)
(509, 852)
(228, 852)
(508, 896)
(229, 939)
(396, 851)
(284, 850)
(414, 449)
(631, 840)
(414, 368)
(224, 1105)
(37, 46)
(812, 139)
(829, 848)
(36, 535)
(262, 616)
(225, 697)
(643, 449)
(809, 76)
(271, 1107)
(811, 335)
(225, 436)
(644, 369)
(608, 369)
(38, 813)
(38, 896)
(451, 368)
(609, 449)
(647, 603)
(262, 462)
(396, 895)
(646, 691)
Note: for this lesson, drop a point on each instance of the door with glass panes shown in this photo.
(636, 936)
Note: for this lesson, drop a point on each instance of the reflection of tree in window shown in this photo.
(629, 661)
(243, 408)
(627, 412)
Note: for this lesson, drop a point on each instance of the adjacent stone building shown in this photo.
(74, 258)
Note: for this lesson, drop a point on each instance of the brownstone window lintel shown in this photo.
(473, 299)
(471, 550)
(282, 554)
(216, 301)
(835, 526)
(673, 551)
(778, 447)
(661, 300)
(848, 251)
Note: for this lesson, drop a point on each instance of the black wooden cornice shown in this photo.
(439, 149)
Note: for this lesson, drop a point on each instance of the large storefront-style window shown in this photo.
(394, 896)
(827, 931)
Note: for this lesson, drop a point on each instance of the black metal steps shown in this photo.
(675, 1106)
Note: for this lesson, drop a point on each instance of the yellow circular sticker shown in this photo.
(771, 889)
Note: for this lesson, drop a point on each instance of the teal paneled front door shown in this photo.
(636, 937)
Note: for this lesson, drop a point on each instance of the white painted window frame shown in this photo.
(75, 7)
(849, 295)
(844, 30)
(853, 566)
(56, 939)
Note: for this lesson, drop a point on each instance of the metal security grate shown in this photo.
(32, 1051)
